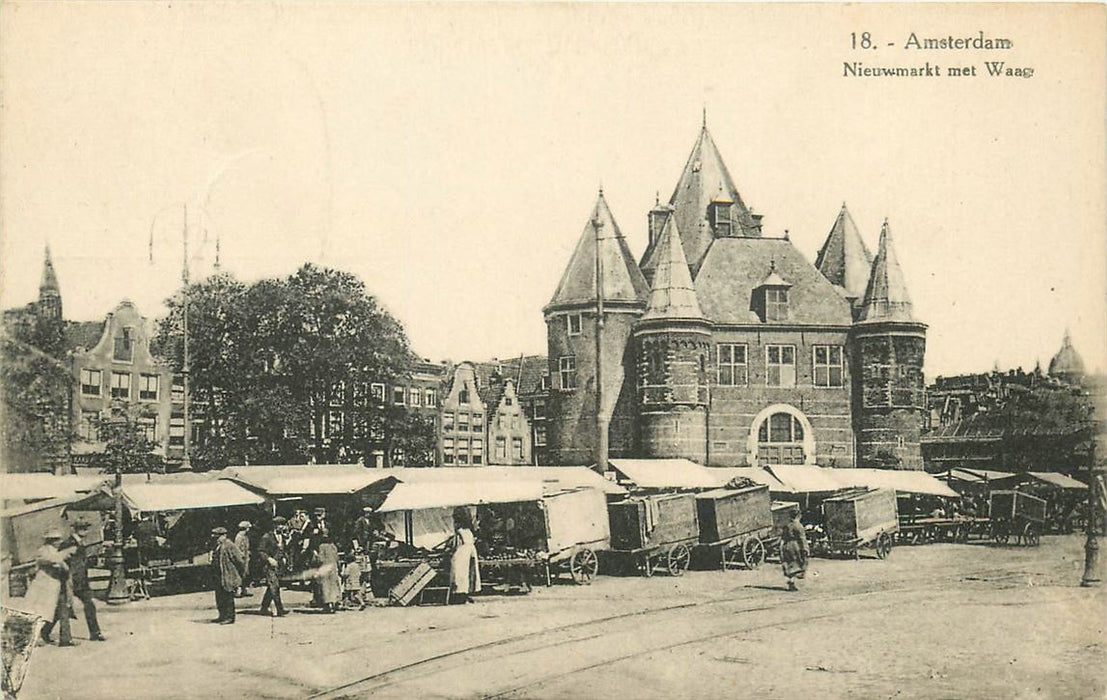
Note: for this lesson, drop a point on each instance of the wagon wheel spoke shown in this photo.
(584, 565)
(732, 557)
(753, 552)
(678, 559)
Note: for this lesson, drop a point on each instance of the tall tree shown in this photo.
(280, 369)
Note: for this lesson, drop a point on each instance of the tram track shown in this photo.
(502, 651)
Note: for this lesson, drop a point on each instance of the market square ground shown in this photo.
(935, 621)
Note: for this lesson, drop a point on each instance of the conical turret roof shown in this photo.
(886, 297)
(49, 281)
(705, 179)
(622, 280)
(844, 259)
(673, 296)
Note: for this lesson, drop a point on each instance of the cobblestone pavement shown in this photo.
(933, 621)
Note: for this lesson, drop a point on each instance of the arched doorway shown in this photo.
(781, 434)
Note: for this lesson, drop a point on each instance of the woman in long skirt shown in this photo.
(793, 551)
(464, 566)
(328, 583)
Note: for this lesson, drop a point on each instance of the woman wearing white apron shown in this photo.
(464, 567)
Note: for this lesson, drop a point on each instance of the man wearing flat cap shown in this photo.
(270, 554)
(228, 568)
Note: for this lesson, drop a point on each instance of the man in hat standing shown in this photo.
(270, 554)
(78, 576)
(227, 566)
(50, 589)
(242, 541)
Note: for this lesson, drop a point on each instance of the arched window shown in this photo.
(781, 427)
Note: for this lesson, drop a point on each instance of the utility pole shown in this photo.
(186, 461)
(601, 420)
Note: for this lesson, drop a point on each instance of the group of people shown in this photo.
(62, 576)
(304, 549)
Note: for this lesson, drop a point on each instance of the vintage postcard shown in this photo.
(546, 350)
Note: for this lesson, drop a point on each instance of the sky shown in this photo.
(450, 155)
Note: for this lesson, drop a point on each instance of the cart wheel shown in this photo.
(732, 557)
(883, 546)
(678, 559)
(1000, 534)
(584, 566)
(1030, 536)
(753, 552)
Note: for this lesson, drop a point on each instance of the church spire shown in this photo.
(886, 297)
(622, 280)
(844, 259)
(49, 283)
(673, 295)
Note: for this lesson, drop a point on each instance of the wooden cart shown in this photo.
(860, 518)
(735, 523)
(656, 531)
(1016, 514)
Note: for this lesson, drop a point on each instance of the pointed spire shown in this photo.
(704, 115)
(844, 259)
(622, 280)
(886, 297)
(49, 283)
(673, 295)
(704, 179)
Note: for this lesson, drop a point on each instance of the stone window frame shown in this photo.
(127, 334)
(579, 318)
(540, 436)
(376, 391)
(400, 393)
(414, 397)
(776, 309)
(567, 372)
(769, 365)
(148, 425)
(719, 364)
(120, 392)
(828, 366)
(430, 398)
(517, 448)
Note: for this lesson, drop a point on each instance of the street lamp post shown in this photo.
(117, 588)
(1096, 498)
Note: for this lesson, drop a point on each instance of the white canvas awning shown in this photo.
(902, 481)
(552, 479)
(419, 496)
(755, 474)
(806, 479)
(30, 487)
(306, 479)
(1062, 481)
(187, 496)
(666, 473)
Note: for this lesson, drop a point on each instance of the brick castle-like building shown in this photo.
(727, 346)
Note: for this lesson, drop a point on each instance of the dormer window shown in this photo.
(721, 218)
(776, 304)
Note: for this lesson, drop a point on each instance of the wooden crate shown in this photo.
(727, 513)
(861, 515)
(643, 522)
(412, 584)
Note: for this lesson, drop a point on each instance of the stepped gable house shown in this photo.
(728, 347)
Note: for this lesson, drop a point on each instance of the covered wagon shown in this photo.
(652, 531)
(859, 518)
(734, 524)
(1016, 514)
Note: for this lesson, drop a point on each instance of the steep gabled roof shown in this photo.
(704, 179)
(735, 267)
(886, 297)
(844, 259)
(673, 296)
(622, 280)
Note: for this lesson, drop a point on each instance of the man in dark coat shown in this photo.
(270, 555)
(78, 576)
(228, 567)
